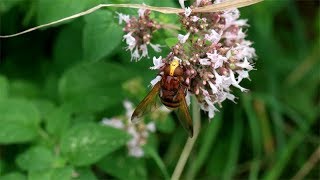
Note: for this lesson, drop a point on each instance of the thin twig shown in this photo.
(166, 10)
(190, 142)
(306, 168)
(170, 26)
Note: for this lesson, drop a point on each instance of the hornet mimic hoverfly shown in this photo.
(172, 92)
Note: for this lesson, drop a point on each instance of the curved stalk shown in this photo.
(190, 142)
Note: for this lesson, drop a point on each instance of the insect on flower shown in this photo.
(172, 92)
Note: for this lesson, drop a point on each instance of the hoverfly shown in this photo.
(172, 92)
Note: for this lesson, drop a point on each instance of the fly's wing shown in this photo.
(147, 104)
(184, 115)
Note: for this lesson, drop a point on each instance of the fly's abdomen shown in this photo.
(170, 98)
(170, 104)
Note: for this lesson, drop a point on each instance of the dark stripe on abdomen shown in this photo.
(170, 104)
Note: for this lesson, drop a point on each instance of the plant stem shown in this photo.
(190, 142)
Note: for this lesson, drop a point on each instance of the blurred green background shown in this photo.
(56, 84)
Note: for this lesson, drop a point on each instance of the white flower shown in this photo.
(242, 75)
(141, 12)
(129, 108)
(144, 50)
(230, 17)
(187, 11)
(183, 38)
(217, 59)
(151, 127)
(232, 37)
(218, 78)
(244, 50)
(212, 110)
(156, 47)
(181, 2)
(214, 37)
(235, 83)
(123, 17)
(241, 22)
(136, 151)
(130, 40)
(209, 104)
(231, 97)
(135, 55)
(213, 87)
(176, 58)
(113, 122)
(194, 18)
(155, 80)
(204, 61)
(138, 135)
(204, 19)
(222, 95)
(198, 2)
(188, 99)
(218, 1)
(245, 64)
(157, 63)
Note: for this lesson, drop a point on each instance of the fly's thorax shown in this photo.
(170, 83)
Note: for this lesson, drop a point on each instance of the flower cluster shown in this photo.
(139, 132)
(139, 33)
(213, 53)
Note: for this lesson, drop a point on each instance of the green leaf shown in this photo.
(97, 79)
(13, 176)
(85, 174)
(7, 5)
(19, 121)
(25, 89)
(86, 143)
(3, 87)
(70, 38)
(36, 158)
(101, 35)
(171, 42)
(123, 167)
(64, 173)
(58, 121)
(85, 104)
(44, 106)
(49, 11)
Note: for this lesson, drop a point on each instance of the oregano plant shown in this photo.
(120, 89)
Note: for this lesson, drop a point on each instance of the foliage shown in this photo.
(56, 84)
